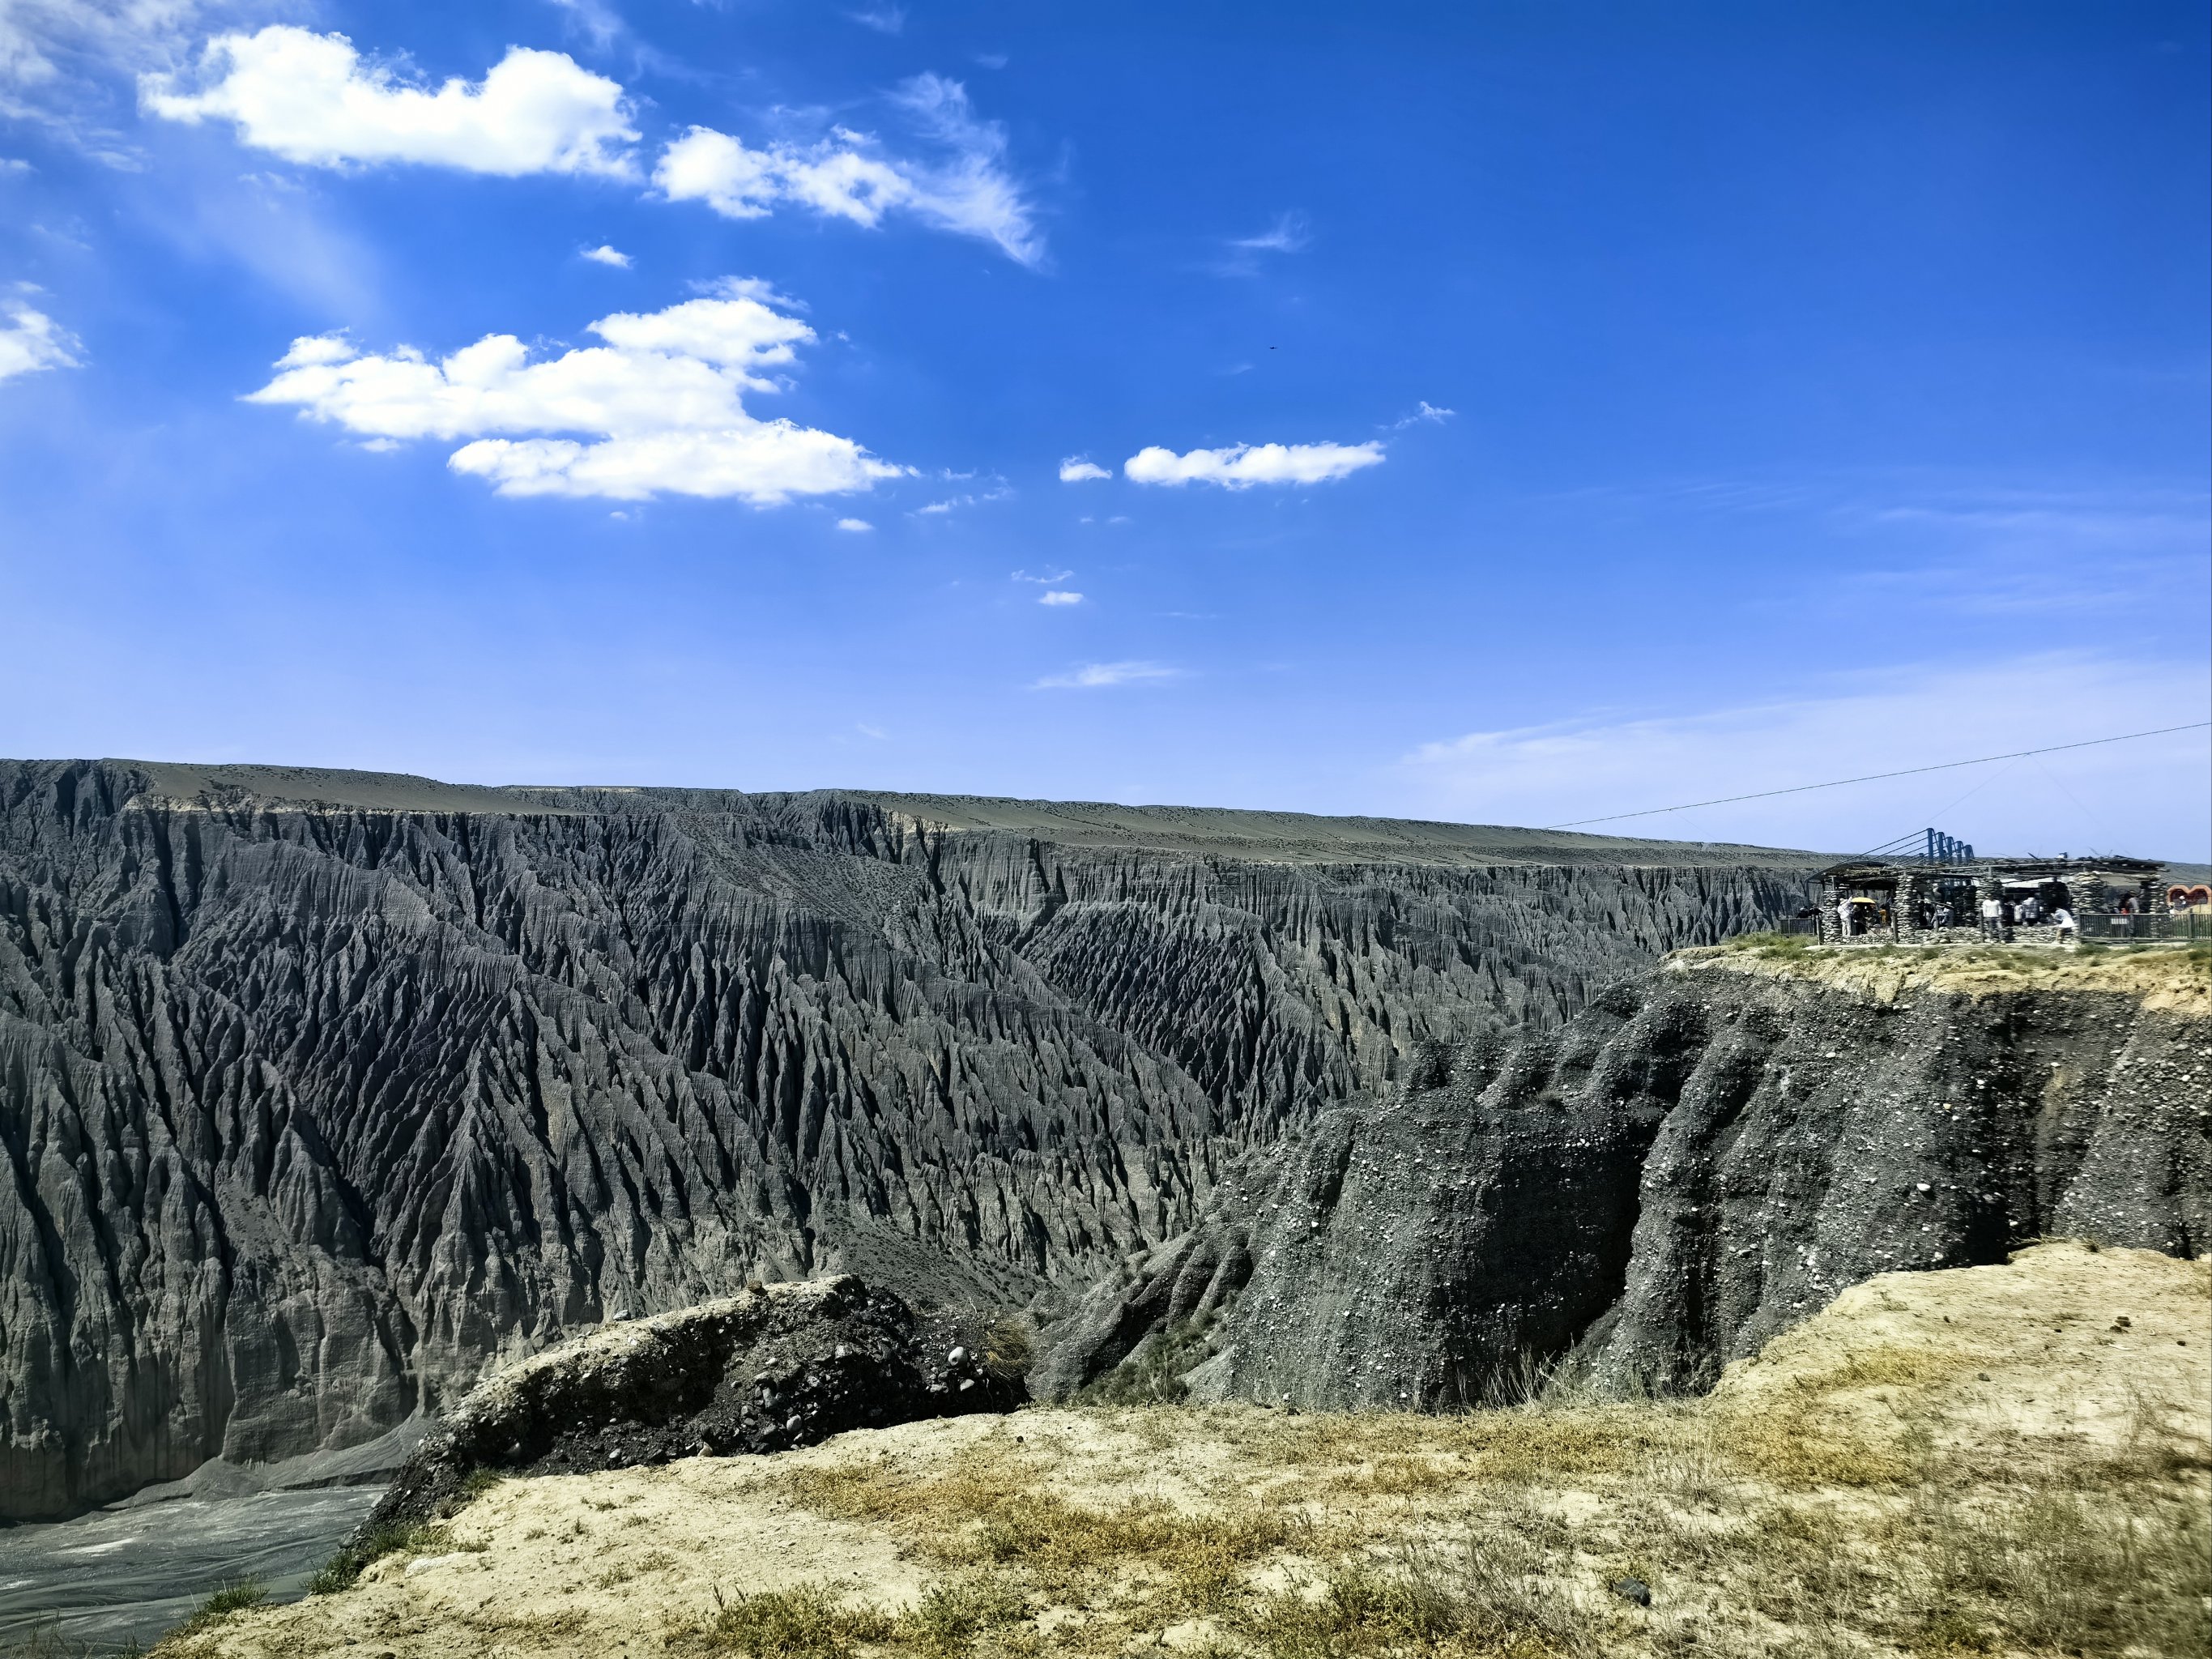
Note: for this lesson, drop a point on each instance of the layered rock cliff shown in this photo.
(320, 1091)
(1703, 1157)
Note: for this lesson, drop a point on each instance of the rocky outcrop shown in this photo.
(1699, 1160)
(321, 1092)
(765, 1370)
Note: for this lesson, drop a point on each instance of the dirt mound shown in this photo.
(777, 1367)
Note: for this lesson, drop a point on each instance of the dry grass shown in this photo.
(1982, 1462)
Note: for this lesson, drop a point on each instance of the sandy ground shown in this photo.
(2054, 1371)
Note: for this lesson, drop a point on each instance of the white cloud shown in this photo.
(953, 503)
(1243, 465)
(1046, 579)
(1426, 411)
(30, 341)
(60, 61)
(1097, 675)
(310, 98)
(856, 526)
(2146, 796)
(596, 19)
(1059, 596)
(1075, 469)
(1290, 233)
(659, 406)
(884, 20)
(849, 175)
(605, 255)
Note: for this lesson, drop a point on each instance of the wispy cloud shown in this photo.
(605, 255)
(1245, 256)
(966, 188)
(855, 527)
(1858, 725)
(973, 498)
(1060, 597)
(594, 19)
(1098, 676)
(1426, 414)
(1076, 469)
(1289, 233)
(1046, 579)
(883, 20)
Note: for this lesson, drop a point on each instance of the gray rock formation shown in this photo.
(1695, 1162)
(321, 1092)
(765, 1370)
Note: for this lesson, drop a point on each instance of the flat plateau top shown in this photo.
(2174, 975)
(1260, 836)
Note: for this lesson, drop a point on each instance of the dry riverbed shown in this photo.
(1987, 1461)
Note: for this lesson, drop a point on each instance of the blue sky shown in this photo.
(1506, 413)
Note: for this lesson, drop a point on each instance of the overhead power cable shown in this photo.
(1873, 777)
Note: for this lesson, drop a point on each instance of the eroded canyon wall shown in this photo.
(1705, 1156)
(320, 1091)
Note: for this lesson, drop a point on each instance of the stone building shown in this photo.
(1931, 901)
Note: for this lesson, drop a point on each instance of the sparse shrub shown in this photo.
(948, 1619)
(1152, 1375)
(1008, 1347)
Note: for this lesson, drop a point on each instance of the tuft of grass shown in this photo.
(2057, 1572)
(1489, 1597)
(475, 1486)
(220, 1606)
(343, 1570)
(945, 1623)
(46, 1641)
(812, 1621)
(809, 1621)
